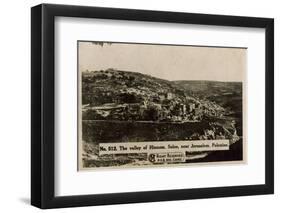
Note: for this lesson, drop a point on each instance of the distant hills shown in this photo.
(209, 88)
(105, 86)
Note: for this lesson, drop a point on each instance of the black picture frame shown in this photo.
(43, 105)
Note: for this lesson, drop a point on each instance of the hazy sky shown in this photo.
(166, 61)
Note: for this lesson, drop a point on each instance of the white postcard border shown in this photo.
(70, 182)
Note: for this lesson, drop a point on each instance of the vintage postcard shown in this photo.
(145, 105)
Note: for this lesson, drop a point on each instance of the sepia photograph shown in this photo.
(146, 105)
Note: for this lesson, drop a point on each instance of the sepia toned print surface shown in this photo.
(145, 105)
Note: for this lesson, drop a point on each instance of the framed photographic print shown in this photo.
(139, 106)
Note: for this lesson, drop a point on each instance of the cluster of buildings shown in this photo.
(145, 99)
(166, 108)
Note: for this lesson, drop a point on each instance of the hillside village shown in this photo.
(130, 96)
(122, 106)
